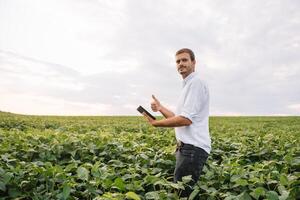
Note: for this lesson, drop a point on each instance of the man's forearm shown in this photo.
(175, 121)
(166, 112)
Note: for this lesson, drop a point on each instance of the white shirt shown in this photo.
(193, 104)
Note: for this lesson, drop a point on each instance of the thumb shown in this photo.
(155, 99)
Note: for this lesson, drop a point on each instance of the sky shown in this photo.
(102, 57)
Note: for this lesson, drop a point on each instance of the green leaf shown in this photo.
(2, 171)
(66, 192)
(119, 184)
(152, 195)
(260, 191)
(230, 197)
(296, 161)
(186, 179)
(7, 177)
(132, 195)
(107, 183)
(70, 167)
(2, 186)
(177, 186)
(244, 196)
(212, 191)
(13, 192)
(83, 173)
(272, 195)
(194, 194)
(241, 182)
(145, 157)
(234, 178)
(284, 195)
(284, 180)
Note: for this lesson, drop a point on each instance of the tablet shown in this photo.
(141, 110)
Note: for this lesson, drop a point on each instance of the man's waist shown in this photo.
(181, 145)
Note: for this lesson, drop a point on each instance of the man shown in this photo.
(190, 120)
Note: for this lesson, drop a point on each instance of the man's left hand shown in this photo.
(153, 122)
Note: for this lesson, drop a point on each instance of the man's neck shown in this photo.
(184, 76)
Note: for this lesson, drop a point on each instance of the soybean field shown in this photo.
(115, 157)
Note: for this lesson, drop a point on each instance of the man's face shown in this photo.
(184, 64)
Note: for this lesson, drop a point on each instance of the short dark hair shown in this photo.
(186, 50)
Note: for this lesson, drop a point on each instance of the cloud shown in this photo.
(28, 75)
(118, 54)
(295, 107)
(25, 78)
(29, 104)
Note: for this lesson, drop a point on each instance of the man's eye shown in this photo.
(184, 60)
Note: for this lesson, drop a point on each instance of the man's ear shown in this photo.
(194, 62)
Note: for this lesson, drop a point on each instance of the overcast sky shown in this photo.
(89, 57)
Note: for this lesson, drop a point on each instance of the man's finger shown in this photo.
(154, 97)
(145, 115)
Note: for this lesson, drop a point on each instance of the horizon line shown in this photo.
(123, 115)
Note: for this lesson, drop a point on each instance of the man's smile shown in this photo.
(181, 68)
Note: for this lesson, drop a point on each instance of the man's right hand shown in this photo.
(155, 104)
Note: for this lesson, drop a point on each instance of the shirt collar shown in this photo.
(188, 78)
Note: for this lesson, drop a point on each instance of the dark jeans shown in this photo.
(189, 161)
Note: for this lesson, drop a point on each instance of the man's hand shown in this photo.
(151, 121)
(155, 104)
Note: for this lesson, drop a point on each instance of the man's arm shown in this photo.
(166, 112)
(175, 121)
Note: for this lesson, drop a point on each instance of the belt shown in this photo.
(180, 144)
